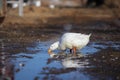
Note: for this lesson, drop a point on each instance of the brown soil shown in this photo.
(45, 23)
(33, 15)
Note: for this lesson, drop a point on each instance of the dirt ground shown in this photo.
(43, 24)
(38, 22)
(35, 15)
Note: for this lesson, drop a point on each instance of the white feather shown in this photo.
(70, 40)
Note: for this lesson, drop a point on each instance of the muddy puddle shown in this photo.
(30, 61)
(23, 53)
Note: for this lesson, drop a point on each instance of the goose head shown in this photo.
(53, 47)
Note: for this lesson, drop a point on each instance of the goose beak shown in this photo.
(49, 51)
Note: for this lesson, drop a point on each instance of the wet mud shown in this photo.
(23, 52)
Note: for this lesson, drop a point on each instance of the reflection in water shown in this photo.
(75, 63)
(34, 63)
(68, 60)
(64, 66)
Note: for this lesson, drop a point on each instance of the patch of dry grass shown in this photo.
(42, 15)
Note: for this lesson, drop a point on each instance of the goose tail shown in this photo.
(89, 34)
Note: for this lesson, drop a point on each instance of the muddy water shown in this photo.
(23, 53)
(30, 61)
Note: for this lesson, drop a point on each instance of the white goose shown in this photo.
(72, 41)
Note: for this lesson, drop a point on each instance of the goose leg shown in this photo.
(70, 50)
(74, 51)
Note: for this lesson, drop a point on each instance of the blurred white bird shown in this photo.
(74, 63)
(72, 41)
